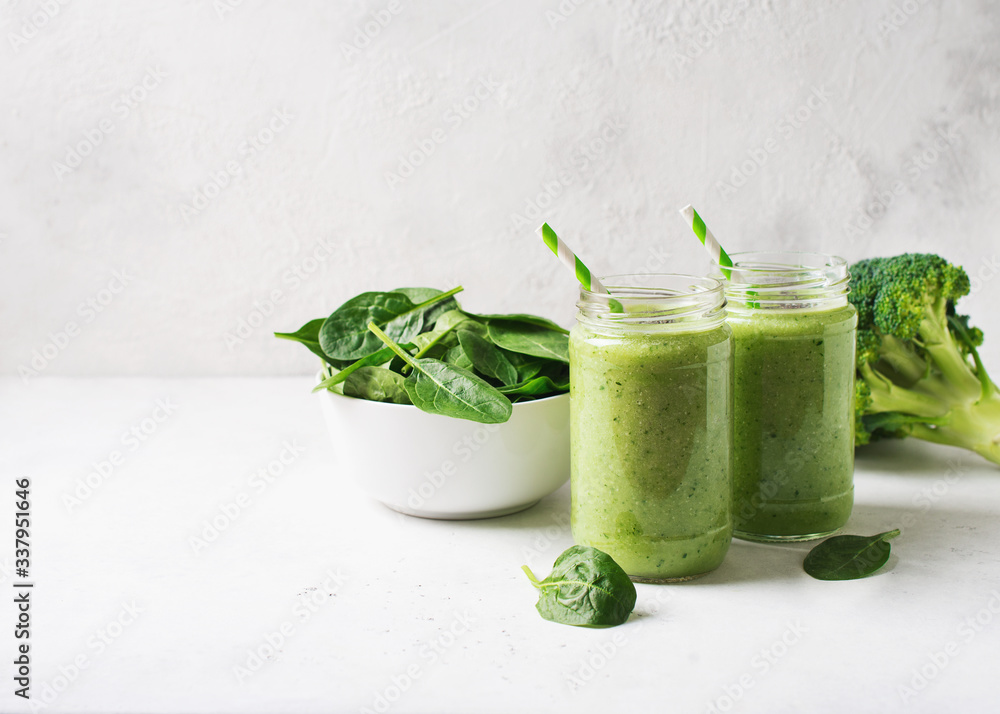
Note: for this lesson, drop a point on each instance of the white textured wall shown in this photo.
(611, 114)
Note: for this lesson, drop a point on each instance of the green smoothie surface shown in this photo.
(793, 421)
(651, 448)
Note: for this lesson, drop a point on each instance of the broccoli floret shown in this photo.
(918, 370)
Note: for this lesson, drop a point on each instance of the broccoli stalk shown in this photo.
(914, 372)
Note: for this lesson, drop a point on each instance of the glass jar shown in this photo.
(794, 333)
(651, 425)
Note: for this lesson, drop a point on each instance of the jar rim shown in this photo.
(784, 262)
(654, 299)
(786, 279)
(695, 285)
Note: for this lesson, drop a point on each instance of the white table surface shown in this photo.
(437, 615)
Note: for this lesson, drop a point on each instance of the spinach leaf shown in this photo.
(456, 356)
(345, 336)
(849, 557)
(459, 320)
(308, 335)
(586, 588)
(486, 358)
(528, 366)
(376, 384)
(340, 336)
(375, 359)
(450, 319)
(428, 344)
(427, 341)
(419, 295)
(529, 339)
(535, 387)
(441, 388)
(526, 319)
(525, 355)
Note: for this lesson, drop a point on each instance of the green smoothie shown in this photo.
(793, 421)
(651, 433)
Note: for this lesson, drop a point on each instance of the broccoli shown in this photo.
(918, 371)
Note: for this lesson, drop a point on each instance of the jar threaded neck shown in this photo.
(786, 281)
(654, 299)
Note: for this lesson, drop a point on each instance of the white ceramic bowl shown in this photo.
(438, 467)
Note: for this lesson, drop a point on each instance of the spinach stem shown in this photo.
(439, 298)
(433, 342)
(531, 576)
(417, 308)
(391, 345)
(420, 353)
(332, 379)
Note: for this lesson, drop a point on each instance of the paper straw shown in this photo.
(715, 250)
(568, 258)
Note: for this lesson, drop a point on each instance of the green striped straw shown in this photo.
(568, 258)
(707, 239)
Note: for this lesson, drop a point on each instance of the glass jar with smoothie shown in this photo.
(794, 333)
(651, 425)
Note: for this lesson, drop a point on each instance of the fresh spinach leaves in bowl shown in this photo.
(418, 346)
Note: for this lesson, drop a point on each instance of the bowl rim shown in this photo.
(515, 405)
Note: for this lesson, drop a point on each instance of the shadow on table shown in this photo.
(550, 512)
(754, 562)
(925, 534)
(913, 457)
(926, 531)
